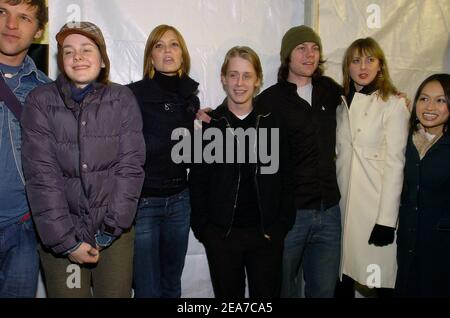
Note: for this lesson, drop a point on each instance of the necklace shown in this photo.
(9, 75)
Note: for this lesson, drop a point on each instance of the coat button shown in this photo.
(359, 130)
(84, 166)
(411, 251)
(375, 156)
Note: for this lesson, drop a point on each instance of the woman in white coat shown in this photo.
(371, 136)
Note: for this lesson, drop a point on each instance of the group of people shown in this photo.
(360, 193)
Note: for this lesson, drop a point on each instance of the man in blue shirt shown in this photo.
(21, 22)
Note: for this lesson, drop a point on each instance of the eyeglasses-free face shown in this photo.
(240, 82)
(82, 59)
(431, 108)
(167, 54)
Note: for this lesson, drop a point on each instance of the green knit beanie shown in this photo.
(295, 36)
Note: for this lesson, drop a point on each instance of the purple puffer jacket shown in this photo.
(82, 164)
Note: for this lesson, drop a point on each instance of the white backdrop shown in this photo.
(414, 35)
(210, 28)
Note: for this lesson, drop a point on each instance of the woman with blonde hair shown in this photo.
(371, 135)
(167, 99)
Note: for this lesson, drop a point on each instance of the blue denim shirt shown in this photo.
(29, 77)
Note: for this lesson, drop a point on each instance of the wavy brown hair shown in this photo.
(283, 70)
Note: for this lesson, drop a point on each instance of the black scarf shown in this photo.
(366, 90)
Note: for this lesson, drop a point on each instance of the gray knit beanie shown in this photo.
(295, 36)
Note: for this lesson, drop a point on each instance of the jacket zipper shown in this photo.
(258, 195)
(80, 164)
(238, 181)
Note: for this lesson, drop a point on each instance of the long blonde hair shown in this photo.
(153, 38)
(368, 47)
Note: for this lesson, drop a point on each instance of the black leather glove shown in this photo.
(382, 235)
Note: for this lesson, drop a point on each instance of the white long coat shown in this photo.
(371, 139)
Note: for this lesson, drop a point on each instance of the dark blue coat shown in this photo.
(423, 236)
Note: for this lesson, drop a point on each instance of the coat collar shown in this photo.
(188, 86)
(63, 85)
(222, 110)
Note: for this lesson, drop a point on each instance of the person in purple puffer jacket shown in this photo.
(83, 155)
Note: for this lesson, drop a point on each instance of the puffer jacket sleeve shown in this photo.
(128, 172)
(44, 180)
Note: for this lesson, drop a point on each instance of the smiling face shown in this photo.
(18, 28)
(431, 108)
(240, 83)
(82, 59)
(167, 55)
(363, 69)
(304, 61)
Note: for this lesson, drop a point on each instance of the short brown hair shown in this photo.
(153, 38)
(368, 46)
(247, 54)
(41, 13)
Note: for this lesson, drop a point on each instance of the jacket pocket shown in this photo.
(374, 153)
(444, 225)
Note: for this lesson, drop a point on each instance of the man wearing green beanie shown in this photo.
(307, 102)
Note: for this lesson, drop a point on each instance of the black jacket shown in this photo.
(312, 138)
(214, 187)
(423, 235)
(162, 112)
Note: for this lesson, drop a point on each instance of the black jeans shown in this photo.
(244, 250)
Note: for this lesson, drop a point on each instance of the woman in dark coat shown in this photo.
(423, 235)
(168, 101)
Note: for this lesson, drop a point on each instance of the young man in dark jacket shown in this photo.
(242, 209)
(307, 102)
